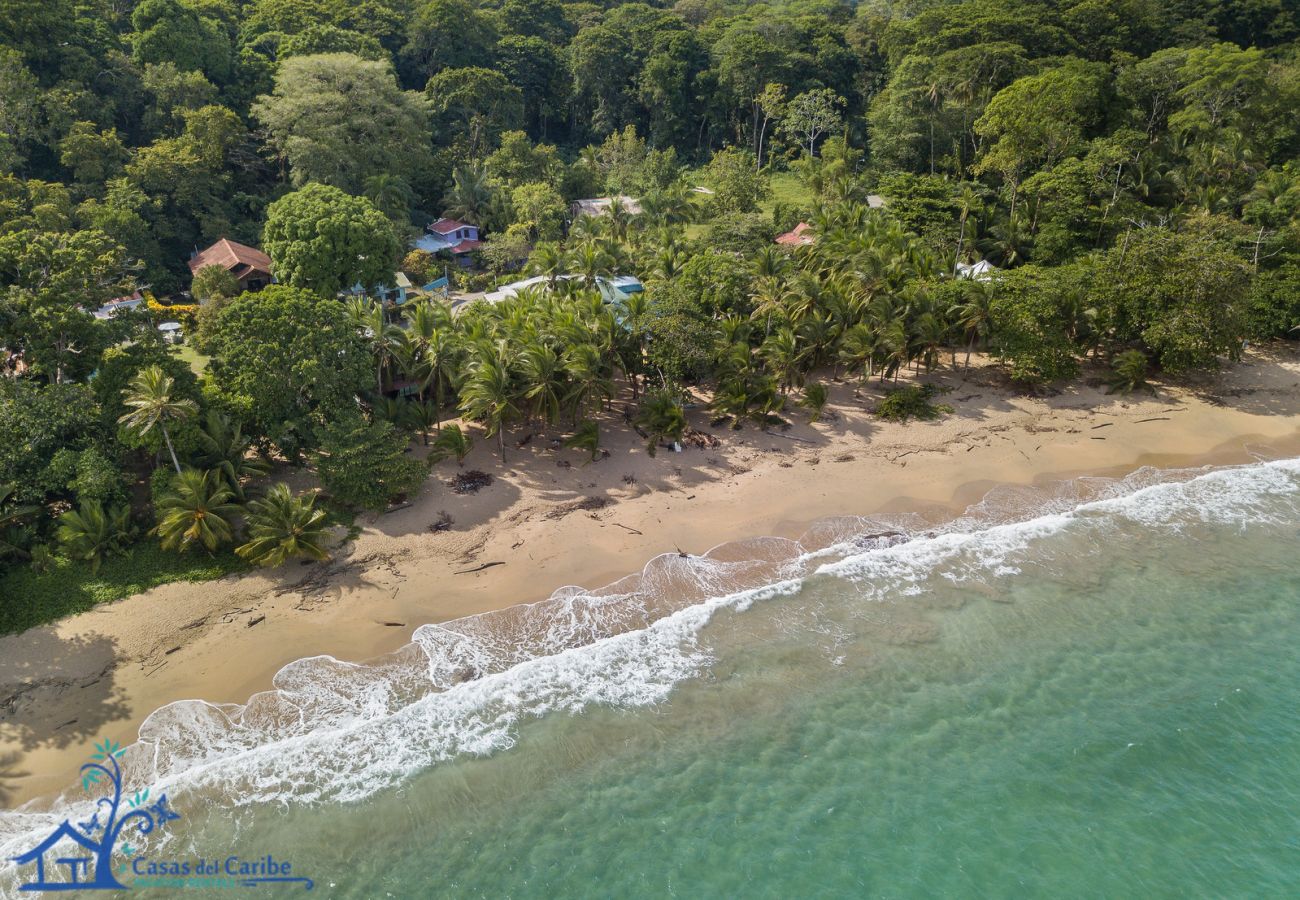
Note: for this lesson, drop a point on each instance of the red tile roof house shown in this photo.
(802, 236)
(450, 236)
(250, 266)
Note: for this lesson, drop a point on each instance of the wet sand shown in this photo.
(548, 521)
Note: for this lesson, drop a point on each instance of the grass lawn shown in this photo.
(197, 361)
(70, 587)
(787, 187)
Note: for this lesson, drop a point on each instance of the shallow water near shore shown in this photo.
(1088, 690)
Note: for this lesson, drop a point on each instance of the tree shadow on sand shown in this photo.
(56, 691)
(10, 773)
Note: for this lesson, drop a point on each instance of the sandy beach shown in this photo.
(548, 520)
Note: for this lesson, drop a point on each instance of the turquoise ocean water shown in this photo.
(1086, 691)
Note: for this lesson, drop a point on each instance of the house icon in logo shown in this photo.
(94, 841)
(78, 867)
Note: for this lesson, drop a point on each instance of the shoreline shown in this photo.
(548, 521)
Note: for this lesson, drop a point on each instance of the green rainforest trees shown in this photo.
(1108, 186)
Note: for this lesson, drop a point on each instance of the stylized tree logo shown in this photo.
(95, 872)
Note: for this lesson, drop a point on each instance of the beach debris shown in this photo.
(586, 504)
(171, 651)
(393, 624)
(845, 457)
(470, 482)
(256, 620)
(875, 539)
(563, 464)
(1102, 425)
(701, 439)
(442, 523)
(1153, 419)
(517, 544)
(626, 528)
(629, 478)
(486, 565)
(790, 437)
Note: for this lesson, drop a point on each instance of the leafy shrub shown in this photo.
(912, 402)
(364, 465)
(814, 399)
(1128, 372)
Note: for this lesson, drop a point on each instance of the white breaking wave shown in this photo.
(333, 731)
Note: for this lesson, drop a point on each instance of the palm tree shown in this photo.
(544, 377)
(667, 264)
(771, 298)
(896, 350)
(732, 400)
(592, 261)
(422, 415)
(282, 526)
(589, 383)
(636, 310)
(452, 441)
(433, 351)
(587, 437)
(385, 338)
(391, 194)
(975, 316)
(770, 263)
(818, 334)
(859, 349)
(224, 447)
(195, 512)
(663, 418)
(149, 394)
(489, 396)
(471, 196)
(619, 217)
(967, 203)
(11, 516)
(814, 400)
(1128, 372)
(671, 206)
(547, 260)
(1008, 241)
(930, 331)
(92, 534)
(782, 353)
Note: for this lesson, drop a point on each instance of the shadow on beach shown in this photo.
(39, 667)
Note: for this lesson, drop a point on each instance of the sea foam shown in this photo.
(334, 731)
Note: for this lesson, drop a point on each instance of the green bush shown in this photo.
(912, 402)
(32, 598)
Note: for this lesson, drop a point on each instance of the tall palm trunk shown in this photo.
(170, 449)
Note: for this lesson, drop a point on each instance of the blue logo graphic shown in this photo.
(96, 838)
(83, 853)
